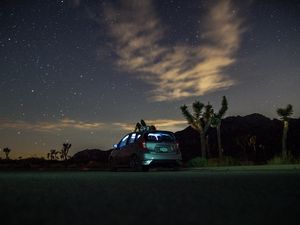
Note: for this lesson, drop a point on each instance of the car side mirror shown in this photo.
(115, 146)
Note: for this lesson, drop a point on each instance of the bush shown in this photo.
(277, 160)
(229, 161)
(213, 162)
(197, 162)
(224, 161)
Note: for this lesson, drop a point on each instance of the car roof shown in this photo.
(151, 131)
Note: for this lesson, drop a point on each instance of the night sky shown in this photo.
(85, 72)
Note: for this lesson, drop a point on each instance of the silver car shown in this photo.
(141, 150)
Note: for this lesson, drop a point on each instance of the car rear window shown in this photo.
(160, 137)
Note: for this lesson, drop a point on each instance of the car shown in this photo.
(142, 150)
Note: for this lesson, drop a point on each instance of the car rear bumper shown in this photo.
(161, 159)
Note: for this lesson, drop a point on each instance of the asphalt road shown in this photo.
(161, 197)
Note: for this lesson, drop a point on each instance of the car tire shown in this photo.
(176, 168)
(135, 163)
(145, 168)
(112, 165)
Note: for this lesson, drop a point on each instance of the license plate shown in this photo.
(163, 149)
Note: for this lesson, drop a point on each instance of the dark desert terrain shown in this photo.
(205, 196)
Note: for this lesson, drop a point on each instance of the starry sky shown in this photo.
(85, 71)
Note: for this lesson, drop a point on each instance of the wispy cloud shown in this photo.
(51, 126)
(63, 124)
(160, 124)
(181, 70)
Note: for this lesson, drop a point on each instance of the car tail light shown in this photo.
(177, 147)
(143, 145)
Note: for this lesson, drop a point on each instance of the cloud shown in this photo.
(60, 125)
(181, 70)
(51, 126)
(160, 124)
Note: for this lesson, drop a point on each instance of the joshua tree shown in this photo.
(200, 120)
(285, 114)
(65, 150)
(143, 126)
(6, 151)
(216, 122)
(52, 154)
(252, 143)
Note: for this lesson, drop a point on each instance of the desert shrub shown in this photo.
(197, 162)
(224, 161)
(229, 161)
(277, 160)
(203, 162)
(213, 162)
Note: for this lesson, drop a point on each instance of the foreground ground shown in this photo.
(221, 196)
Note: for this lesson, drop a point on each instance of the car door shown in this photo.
(128, 149)
(131, 149)
(122, 149)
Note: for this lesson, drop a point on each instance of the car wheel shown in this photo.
(135, 163)
(112, 164)
(145, 168)
(176, 168)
